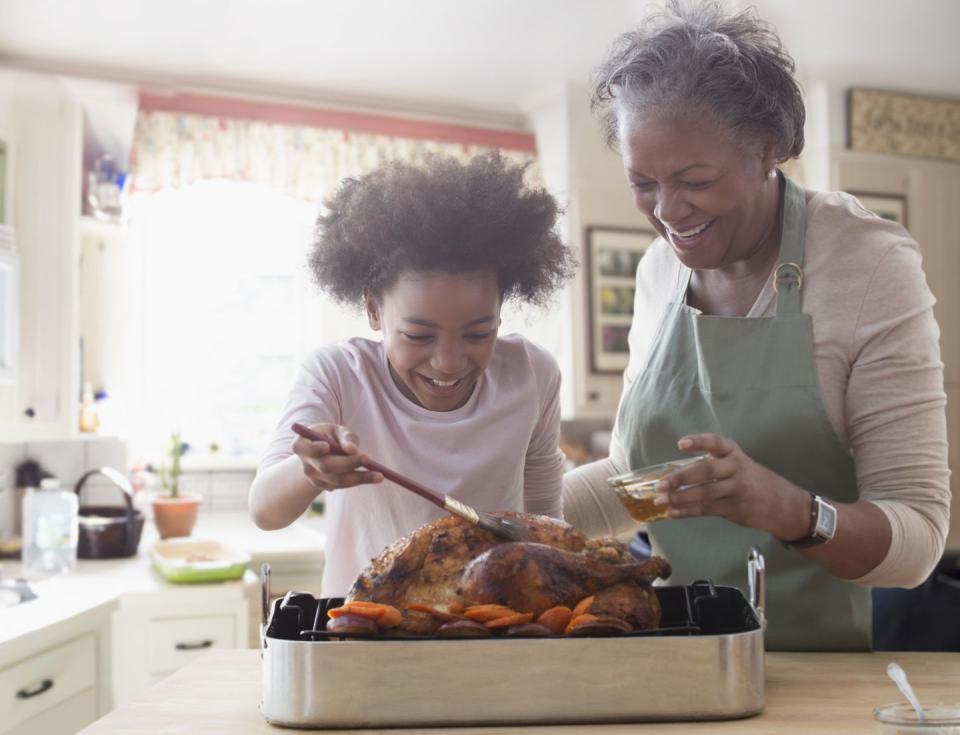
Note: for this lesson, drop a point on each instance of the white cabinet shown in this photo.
(174, 642)
(155, 634)
(51, 692)
(46, 124)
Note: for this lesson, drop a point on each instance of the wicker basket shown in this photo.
(109, 531)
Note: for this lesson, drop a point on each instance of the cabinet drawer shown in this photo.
(43, 681)
(174, 642)
(65, 718)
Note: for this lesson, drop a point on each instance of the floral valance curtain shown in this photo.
(173, 149)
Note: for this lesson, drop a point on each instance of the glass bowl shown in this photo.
(637, 489)
(902, 719)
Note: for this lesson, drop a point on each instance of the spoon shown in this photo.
(899, 676)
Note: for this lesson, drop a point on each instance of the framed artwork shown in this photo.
(888, 206)
(903, 124)
(613, 255)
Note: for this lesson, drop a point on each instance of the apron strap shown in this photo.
(788, 278)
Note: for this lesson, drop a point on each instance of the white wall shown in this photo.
(589, 181)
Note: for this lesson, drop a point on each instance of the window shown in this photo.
(224, 310)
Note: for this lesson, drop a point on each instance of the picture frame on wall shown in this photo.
(612, 257)
(887, 206)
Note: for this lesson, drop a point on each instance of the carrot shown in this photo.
(578, 620)
(456, 607)
(386, 616)
(447, 617)
(506, 622)
(358, 605)
(556, 618)
(583, 605)
(483, 613)
(391, 617)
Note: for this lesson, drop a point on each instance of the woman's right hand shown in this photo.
(333, 463)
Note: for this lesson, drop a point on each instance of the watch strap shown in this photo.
(813, 539)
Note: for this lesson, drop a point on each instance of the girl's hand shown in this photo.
(334, 462)
(729, 484)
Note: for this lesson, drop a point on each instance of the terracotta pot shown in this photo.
(175, 516)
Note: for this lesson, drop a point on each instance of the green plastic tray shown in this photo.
(188, 560)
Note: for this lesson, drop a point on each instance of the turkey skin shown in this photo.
(451, 562)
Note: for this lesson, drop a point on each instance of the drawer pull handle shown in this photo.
(194, 646)
(45, 686)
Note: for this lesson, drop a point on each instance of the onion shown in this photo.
(463, 629)
(529, 629)
(350, 623)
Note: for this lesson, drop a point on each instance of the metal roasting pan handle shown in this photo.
(264, 599)
(757, 580)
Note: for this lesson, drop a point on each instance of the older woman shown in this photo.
(787, 334)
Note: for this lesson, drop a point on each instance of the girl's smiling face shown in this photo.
(439, 331)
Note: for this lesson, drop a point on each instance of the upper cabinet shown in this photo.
(44, 185)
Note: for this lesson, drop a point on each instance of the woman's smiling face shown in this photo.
(709, 198)
(439, 331)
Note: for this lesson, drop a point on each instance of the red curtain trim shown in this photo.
(194, 104)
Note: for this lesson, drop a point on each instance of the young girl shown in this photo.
(431, 252)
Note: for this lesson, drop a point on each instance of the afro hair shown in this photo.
(442, 216)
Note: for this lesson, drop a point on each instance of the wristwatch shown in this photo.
(823, 525)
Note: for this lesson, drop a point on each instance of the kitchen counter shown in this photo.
(95, 586)
(806, 692)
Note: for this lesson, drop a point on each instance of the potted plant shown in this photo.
(174, 512)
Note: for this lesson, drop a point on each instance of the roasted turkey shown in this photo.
(450, 561)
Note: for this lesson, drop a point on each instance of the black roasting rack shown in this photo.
(697, 609)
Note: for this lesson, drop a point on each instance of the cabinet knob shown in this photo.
(29, 412)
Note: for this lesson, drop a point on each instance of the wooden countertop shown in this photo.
(806, 692)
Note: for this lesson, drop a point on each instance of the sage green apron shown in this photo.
(754, 381)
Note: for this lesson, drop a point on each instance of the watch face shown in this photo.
(826, 520)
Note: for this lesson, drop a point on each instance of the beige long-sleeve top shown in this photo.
(876, 347)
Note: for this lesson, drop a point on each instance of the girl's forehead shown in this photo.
(442, 297)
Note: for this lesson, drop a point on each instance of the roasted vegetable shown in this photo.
(556, 618)
(463, 629)
(349, 623)
(529, 629)
(508, 620)
(600, 624)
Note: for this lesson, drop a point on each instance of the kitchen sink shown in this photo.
(15, 591)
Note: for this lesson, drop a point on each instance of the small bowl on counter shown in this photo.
(902, 719)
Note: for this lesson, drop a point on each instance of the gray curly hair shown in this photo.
(694, 58)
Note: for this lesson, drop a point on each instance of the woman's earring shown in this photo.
(772, 173)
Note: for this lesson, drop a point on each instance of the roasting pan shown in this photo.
(705, 662)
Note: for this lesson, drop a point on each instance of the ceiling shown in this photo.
(487, 60)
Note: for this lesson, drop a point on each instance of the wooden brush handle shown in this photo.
(335, 448)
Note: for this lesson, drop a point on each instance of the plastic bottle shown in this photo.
(89, 420)
(50, 530)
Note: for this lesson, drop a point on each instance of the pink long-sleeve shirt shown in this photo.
(497, 452)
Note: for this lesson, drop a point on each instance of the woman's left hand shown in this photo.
(729, 484)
